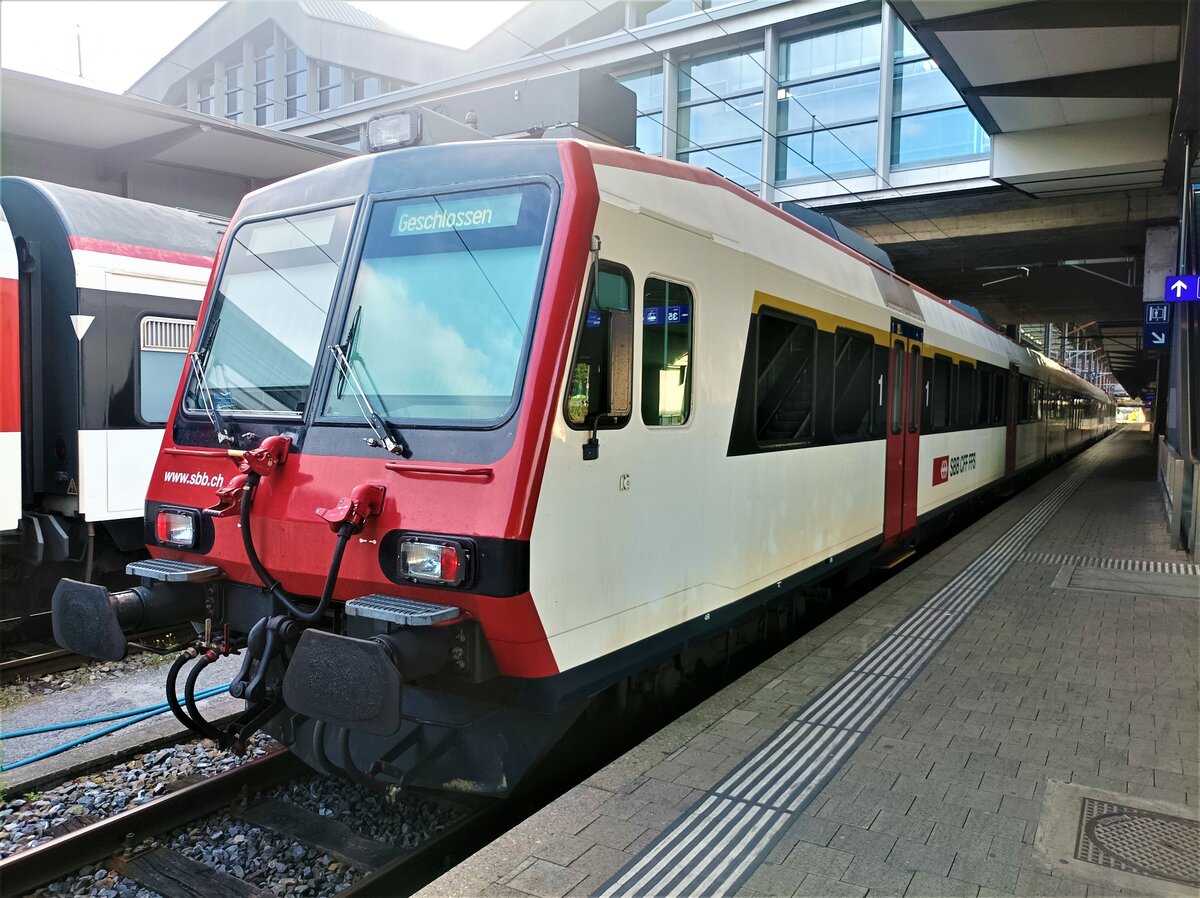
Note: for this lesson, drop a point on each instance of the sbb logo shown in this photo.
(941, 469)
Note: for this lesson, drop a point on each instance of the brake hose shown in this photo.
(271, 583)
(172, 699)
(200, 725)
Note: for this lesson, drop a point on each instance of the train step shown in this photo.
(894, 557)
(408, 612)
(172, 571)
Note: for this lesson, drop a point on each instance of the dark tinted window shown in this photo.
(785, 382)
(940, 392)
(852, 385)
(667, 312)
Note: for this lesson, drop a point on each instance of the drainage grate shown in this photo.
(1114, 564)
(1143, 842)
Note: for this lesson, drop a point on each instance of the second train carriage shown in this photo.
(97, 320)
(477, 431)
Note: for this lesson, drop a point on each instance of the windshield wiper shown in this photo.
(223, 435)
(383, 436)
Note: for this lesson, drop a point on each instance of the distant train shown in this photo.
(100, 296)
(476, 432)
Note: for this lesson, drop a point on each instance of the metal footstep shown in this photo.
(172, 571)
(408, 612)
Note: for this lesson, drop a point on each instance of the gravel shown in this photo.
(267, 860)
(26, 688)
(31, 819)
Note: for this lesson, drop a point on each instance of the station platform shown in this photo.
(1015, 713)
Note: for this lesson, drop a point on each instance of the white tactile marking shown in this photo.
(1115, 564)
(714, 847)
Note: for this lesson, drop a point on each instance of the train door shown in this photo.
(1010, 419)
(903, 431)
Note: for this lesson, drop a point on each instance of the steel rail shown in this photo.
(38, 866)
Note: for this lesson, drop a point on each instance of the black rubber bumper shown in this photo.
(347, 682)
(85, 621)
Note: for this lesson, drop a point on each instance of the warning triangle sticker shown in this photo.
(72, 489)
(81, 323)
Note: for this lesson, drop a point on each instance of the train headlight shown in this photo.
(176, 527)
(427, 560)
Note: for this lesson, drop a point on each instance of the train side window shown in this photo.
(853, 385)
(983, 395)
(667, 310)
(592, 367)
(897, 415)
(999, 396)
(964, 412)
(163, 344)
(940, 393)
(785, 384)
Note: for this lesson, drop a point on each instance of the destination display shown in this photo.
(468, 214)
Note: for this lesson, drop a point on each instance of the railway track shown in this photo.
(114, 840)
(36, 659)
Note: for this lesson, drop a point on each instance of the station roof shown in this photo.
(1085, 102)
(117, 132)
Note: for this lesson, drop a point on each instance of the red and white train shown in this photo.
(477, 431)
(100, 296)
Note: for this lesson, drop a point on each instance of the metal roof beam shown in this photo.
(1157, 79)
(1060, 14)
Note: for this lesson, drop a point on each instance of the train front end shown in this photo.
(345, 490)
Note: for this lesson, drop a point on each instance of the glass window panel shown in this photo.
(649, 134)
(667, 313)
(919, 85)
(649, 89)
(741, 163)
(269, 312)
(720, 76)
(809, 55)
(158, 376)
(720, 122)
(442, 302)
(932, 136)
(905, 44)
(821, 153)
(672, 9)
(785, 385)
(832, 101)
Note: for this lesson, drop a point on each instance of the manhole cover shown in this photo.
(1137, 841)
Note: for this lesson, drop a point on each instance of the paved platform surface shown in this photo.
(887, 753)
(139, 689)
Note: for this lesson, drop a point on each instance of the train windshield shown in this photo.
(268, 314)
(442, 305)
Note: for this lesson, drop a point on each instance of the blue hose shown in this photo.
(141, 714)
(51, 727)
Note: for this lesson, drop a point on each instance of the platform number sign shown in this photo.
(1156, 330)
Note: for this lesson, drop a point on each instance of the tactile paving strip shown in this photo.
(1138, 841)
(1114, 564)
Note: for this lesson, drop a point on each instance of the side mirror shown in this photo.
(620, 372)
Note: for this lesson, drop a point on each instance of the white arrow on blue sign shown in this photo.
(1182, 288)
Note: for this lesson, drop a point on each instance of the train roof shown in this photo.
(416, 167)
(113, 224)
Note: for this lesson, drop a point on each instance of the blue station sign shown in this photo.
(1156, 327)
(1182, 288)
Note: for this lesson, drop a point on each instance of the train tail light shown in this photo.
(443, 562)
(176, 527)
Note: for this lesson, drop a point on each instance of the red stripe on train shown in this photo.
(112, 248)
(10, 357)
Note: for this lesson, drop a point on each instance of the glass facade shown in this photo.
(264, 79)
(719, 120)
(648, 86)
(296, 80)
(826, 79)
(234, 86)
(930, 123)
